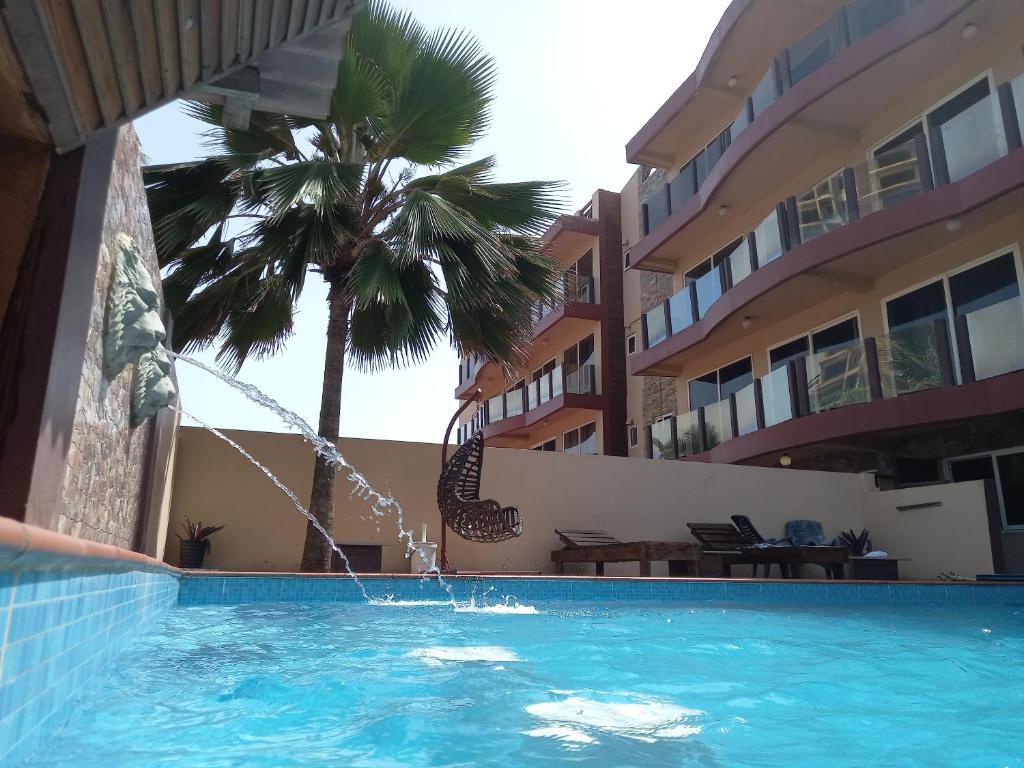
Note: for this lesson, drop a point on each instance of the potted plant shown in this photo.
(195, 544)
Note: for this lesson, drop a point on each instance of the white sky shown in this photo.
(576, 80)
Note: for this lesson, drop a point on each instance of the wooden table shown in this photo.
(683, 557)
(876, 568)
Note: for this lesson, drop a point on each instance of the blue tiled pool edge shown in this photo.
(221, 589)
(59, 628)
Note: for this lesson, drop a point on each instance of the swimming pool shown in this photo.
(689, 683)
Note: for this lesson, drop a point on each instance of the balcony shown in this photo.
(911, 378)
(558, 397)
(836, 92)
(844, 231)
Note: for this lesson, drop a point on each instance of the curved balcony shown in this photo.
(806, 119)
(571, 312)
(557, 397)
(845, 231)
(897, 383)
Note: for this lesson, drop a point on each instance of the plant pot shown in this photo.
(191, 553)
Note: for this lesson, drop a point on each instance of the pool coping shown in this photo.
(28, 546)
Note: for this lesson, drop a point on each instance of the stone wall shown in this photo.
(103, 485)
(659, 391)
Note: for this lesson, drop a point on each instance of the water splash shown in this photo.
(287, 491)
(379, 504)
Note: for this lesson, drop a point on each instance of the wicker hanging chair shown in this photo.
(458, 495)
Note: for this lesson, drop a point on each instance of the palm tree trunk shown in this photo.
(316, 552)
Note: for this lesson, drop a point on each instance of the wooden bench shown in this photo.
(599, 547)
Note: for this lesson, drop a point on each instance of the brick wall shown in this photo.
(659, 391)
(103, 483)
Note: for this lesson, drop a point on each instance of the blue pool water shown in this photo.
(583, 685)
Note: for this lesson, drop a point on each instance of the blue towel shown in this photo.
(804, 533)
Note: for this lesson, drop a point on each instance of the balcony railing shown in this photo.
(573, 288)
(848, 26)
(965, 144)
(913, 358)
(563, 379)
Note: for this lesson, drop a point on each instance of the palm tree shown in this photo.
(412, 246)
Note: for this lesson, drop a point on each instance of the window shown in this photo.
(964, 133)
(633, 434)
(582, 440)
(987, 294)
(550, 445)
(865, 16)
(1006, 468)
(578, 280)
(718, 385)
(737, 253)
(579, 362)
(834, 365)
(631, 344)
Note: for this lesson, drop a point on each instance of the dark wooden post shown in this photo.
(947, 372)
(963, 343)
(850, 190)
(702, 431)
(752, 251)
(759, 403)
(725, 274)
(667, 315)
(797, 393)
(734, 417)
(1009, 112)
(873, 373)
(643, 330)
(650, 441)
(792, 223)
(694, 309)
(674, 432)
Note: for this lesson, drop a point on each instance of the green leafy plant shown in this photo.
(415, 244)
(858, 543)
(197, 532)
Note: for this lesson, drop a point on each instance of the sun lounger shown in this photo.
(742, 544)
(599, 547)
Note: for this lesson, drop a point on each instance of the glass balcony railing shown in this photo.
(910, 358)
(837, 377)
(739, 262)
(582, 380)
(717, 424)
(662, 439)
(656, 209)
(746, 409)
(897, 174)
(689, 440)
(822, 208)
(996, 337)
(557, 382)
(573, 288)
(973, 139)
(709, 290)
(654, 322)
(680, 310)
(513, 403)
(495, 408)
(967, 141)
(776, 397)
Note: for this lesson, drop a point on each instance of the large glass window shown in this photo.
(717, 385)
(579, 361)
(1006, 468)
(550, 445)
(831, 337)
(582, 440)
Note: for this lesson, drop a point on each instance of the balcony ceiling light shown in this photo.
(723, 209)
(747, 321)
(733, 81)
(970, 31)
(954, 225)
(786, 460)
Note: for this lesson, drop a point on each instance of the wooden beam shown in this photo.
(191, 45)
(261, 27)
(29, 36)
(144, 25)
(279, 15)
(210, 14)
(296, 19)
(246, 24)
(124, 49)
(92, 31)
(167, 35)
(229, 33)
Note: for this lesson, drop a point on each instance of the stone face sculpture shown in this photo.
(134, 333)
